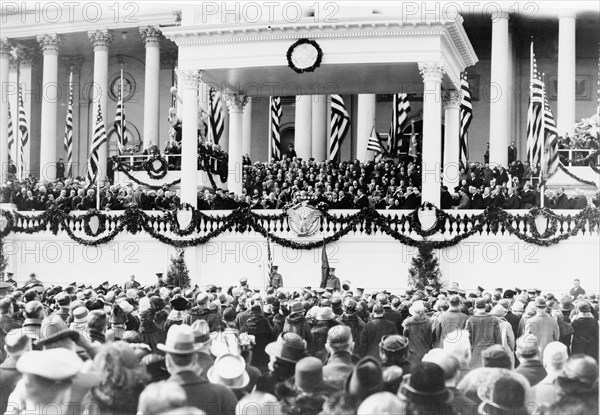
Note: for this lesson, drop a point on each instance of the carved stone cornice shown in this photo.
(168, 58)
(235, 102)
(151, 35)
(188, 78)
(452, 99)
(73, 63)
(100, 38)
(50, 43)
(432, 71)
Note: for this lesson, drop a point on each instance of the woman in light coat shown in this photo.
(506, 332)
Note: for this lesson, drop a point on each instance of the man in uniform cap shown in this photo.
(9, 279)
(333, 281)
(276, 280)
(32, 282)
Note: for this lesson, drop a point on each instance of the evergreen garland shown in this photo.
(178, 274)
(3, 258)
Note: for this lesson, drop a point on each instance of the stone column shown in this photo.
(189, 142)
(451, 141)
(432, 73)
(11, 96)
(5, 90)
(364, 125)
(247, 128)
(319, 127)
(73, 65)
(151, 36)
(499, 120)
(566, 74)
(50, 96)
(235, 105)
(303, 126)
(101, 40)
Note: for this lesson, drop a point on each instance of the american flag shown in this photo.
(551, 140)
(216, 117)
(269, 262)
(98, 140)
(11, 134)
(68, 142)
(120, 123)
(374, 145)
(400, 110)
(340, 124)
(535, 139)
(275, 123)
(466, 116)
(23, 131)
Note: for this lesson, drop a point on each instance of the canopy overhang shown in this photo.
(376, 54)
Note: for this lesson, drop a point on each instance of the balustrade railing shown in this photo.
(570, 156)
(456, 223)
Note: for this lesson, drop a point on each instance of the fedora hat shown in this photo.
(506, 397)
(365, 379)
(55, 329)
(309, 374)
(55, 364)
(289, 347)
(180, 340)
(229, 370)
(296, 307)
(425, 384)
(80, 315)
(180, 304)
(325, 314)
(565, 304)
(201, 332)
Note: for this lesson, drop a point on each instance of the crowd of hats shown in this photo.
(125, 333)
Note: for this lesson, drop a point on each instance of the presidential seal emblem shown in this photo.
(303, 219)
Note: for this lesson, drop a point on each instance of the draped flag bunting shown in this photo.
(269, 262)
(11, 134)
(400, 110)
(97, 141)
(68, 142)
(275, 123)
(324, 267)
(216, 116)
(550, 140)
(340, 124)
(466, 116)
(120, 123)
(23, 132)
(535, 137)
(414, 142)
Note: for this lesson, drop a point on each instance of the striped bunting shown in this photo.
(275, 123)
(216, 116)
(400, 110)
(11, 133)
(98, 140)
(340, 124)
(68, 142)
(551, 140)
(466, 116)
(534, 115)
(23, 131)
(120, 123)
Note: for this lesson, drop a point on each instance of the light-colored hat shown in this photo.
(498, 311)
(180, 340)
(418, 307)
(55, 364)
(201, 331)
(126, 306)
(229, 370)
(80, 315)
(325, 314)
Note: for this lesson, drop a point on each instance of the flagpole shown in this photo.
(269, 132)
(70, 160)
(97, 193)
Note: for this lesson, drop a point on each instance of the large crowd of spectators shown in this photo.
(385, 184)
(159, 349)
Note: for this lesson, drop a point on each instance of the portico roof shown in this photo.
(374, 54)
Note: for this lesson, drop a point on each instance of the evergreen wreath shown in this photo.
(156, 173)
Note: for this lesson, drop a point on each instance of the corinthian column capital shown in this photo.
(50, 43)
(100, 38)
(151, 35)
(432, 71)
(236, 102)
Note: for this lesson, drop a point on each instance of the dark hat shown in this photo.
(540, 302)
(480, 303)
(496, 356)
(366, 378)
(393, 343)
(288, 346)
(509, 294)
(507, 397)
(63, 299)
(518, 290)
(480, 288)
(159, 274)
(565, 304)
(579, 370)
(309, 374)
(584, 307)
(425, 385)
(499, 289)
(180, 304)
